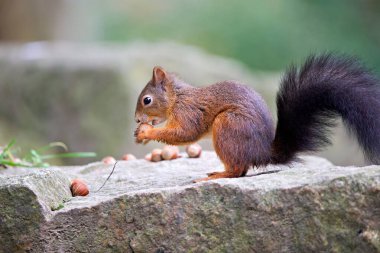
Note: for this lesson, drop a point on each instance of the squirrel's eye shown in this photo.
(147, 100)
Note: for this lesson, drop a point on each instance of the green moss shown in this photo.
(58, 207)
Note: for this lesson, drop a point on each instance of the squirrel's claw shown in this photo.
(140, 133)
(145, 141)
(140, 138)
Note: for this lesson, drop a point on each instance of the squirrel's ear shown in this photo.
(159, 75)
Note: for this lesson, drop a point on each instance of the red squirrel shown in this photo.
(240, 123)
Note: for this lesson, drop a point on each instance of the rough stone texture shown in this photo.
(311, 206)
(26, 201)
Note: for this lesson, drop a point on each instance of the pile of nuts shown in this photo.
(172, 152)
(166, 153)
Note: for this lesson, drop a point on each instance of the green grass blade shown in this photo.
(69, 155)
(5, 150)
(52, 145)
(14, 164)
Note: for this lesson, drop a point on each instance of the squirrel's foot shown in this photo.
(216, 175)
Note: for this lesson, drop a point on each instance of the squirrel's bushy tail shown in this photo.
(311, 97)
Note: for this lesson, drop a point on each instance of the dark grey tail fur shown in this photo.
(311, 97)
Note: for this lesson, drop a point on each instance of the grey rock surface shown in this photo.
(26, 201)
(310, 206)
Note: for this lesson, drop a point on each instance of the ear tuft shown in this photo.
(159, 75)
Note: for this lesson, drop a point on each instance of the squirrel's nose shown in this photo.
(137, 118)
(141, 118)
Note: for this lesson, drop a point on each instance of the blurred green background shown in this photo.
(264, 35)
(259, 37)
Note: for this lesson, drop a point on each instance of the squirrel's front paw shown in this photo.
(141, 133)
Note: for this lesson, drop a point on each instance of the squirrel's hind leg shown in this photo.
(233, 139)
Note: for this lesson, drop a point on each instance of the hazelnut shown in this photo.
(156, 155)
(148, 157)
(170, 152)
(79, 188)
(144, 127)
(108, 160)
(128, 157)
(194, 150)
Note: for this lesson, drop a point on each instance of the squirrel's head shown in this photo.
(153, 102)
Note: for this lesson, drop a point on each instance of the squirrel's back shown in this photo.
(233, 94)
(226, 96)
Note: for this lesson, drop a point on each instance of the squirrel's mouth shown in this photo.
(157, 121)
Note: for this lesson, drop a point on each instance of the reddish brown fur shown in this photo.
(240, 122)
